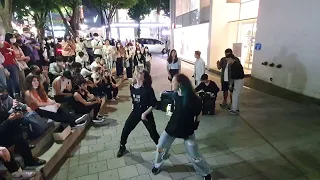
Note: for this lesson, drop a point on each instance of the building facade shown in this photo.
(280, 33)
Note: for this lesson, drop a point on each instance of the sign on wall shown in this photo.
(258, 46)
(237, 49)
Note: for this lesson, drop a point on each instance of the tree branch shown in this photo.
(67, 12)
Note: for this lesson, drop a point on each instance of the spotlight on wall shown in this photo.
(271, 65)
(279, 66)
(265, 63)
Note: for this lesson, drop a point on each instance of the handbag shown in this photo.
(22, 65)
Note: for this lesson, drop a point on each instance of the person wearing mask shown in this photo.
(86, 102)
(173, 65)
(68, 49)
(83, 59)
(120, 57)
(108, 52)
(236, 82)
(129, 61)
(21, 61)
(111, 86)
(148, 57)
(97, 46)
(35, 51)
(80, 46)
(199, 67)
(143, 102)
(26, 49)
(139, 61)
(38, 101)
(26, 39)
(80, 74)
(56, 68)
(10, 129)
(182, 124)
(88, 44)
(62, 88)
(10, 65)
(207, 85)
(43, 76)
(45, 54)
(51, 47)
(97, 63)
(225, 74)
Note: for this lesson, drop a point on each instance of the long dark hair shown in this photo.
(187, 90)
(147, 79)
(170, 60)
(141, 59)
(40, 90)
(147, 53)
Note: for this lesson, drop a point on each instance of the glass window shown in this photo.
(249, 9)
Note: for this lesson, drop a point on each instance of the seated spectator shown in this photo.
(42, 74)
(10, 129)
(12, 166)
(96, 64)
(82, 59)
(86, 102)
(111, 86)
(77, 76)
(56, 68)
(207, 85)
(62, 88)
(38, 101)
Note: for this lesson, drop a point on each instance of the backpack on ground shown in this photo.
(34, 125)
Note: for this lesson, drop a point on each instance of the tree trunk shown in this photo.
(108, 29)
(40, 23)
(6, 20)
(139, 29)
(65, 22)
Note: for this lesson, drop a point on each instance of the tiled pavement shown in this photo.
(272, 139)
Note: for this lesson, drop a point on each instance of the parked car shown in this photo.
(154, 45)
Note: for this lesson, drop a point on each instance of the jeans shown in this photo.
(13, 81)
(199, 163)
(238, 86)
(59, 116)
(3, 79)
(119, 66)
(133, 120)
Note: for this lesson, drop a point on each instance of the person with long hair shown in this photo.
(10, 64)
(129, 60)
(173, 65)
(119, 62)
(143, 102)
(139, 61)
(38, 101)
(107, 53)
(182, 124)
(68, 49)
(148, 57)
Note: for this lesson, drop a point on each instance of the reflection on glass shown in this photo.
(249, 9)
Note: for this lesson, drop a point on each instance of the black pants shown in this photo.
(59, 116)
(133, 120)
(112, 93)
(12, 135)
(63, 99)
(129, 69)
(87, 109)
(119, 66)
(52, 77)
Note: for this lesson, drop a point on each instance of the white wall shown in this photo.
(289, 33)
(222, 33)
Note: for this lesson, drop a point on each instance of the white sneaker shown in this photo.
(22, 175)
(117, 97)
(113, 99)
(81, 119)
(98, 120)
(79, 125)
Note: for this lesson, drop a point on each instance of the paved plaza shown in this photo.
(272, 139)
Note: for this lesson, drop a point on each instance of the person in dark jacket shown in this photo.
(207, 85)
(236, 83)
(143, 102)
(183, 123)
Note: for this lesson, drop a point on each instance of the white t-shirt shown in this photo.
(82, 60)
(63, 85)
(226, 74)
(1, 59)
(97, 43)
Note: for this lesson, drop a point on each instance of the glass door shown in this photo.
(247, 38)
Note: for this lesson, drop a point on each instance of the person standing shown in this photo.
(173, 65)
(121, 53)
(199, 67)
(143, 102)
(129, 61)
(236, 83)
(107, 52)
(225, 74)
(97, 46)
(148, 57)
(182, 124)
(68, 49)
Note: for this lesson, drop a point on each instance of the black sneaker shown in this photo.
(121, 151)
(155, 170)
(208, 177)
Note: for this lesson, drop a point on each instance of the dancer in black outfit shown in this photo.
(143, 102)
